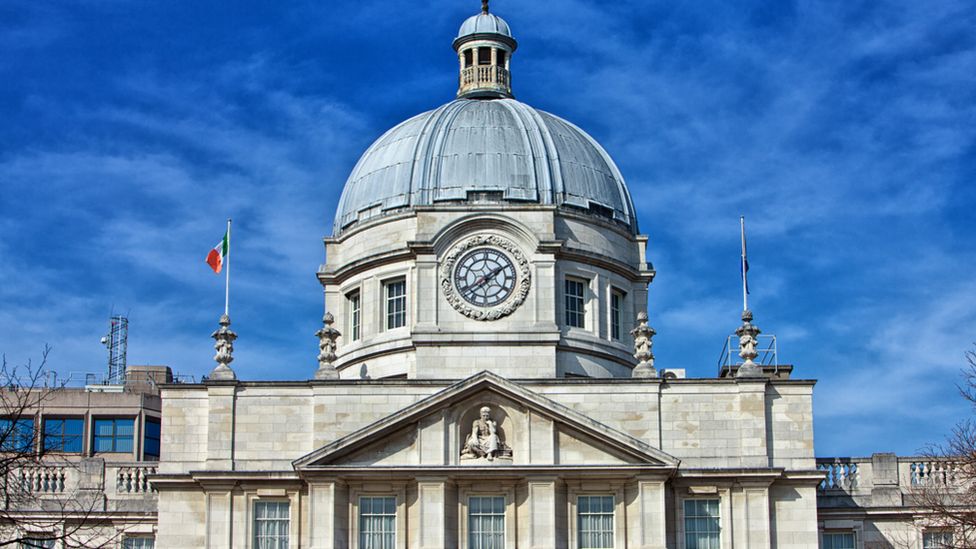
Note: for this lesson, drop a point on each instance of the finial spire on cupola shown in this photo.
(485, 46)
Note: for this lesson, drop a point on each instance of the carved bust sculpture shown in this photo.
(483, 441)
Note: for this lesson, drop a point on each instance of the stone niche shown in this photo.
(484, 435)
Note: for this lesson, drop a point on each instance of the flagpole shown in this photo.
(742, 265)
(227, 274)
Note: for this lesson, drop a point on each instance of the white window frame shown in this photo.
(613, 521)
(485, 489)
(357, 491)
(935, 531)
(584, 284)
(683, 540)
(493, 497)
(354, 308)
(387, 301)
(360, 516)
(141, 538)
(844, 532)
(616, 314)
(252, 523)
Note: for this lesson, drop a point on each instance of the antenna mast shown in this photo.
(117, 343)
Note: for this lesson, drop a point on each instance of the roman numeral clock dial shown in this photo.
(485, 277)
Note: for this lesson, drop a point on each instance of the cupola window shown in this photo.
(484, 56)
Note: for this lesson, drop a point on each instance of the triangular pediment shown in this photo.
(532, 430)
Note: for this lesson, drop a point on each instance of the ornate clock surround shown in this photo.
(499, 243)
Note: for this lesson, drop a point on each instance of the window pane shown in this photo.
(271, 524)
(615, 299)
(354, 314)
(396, 304)
(486, 522)
(936, 540)
(377, 522)
(575, 311)
(701, 523)
(140, 542)
(595, 521)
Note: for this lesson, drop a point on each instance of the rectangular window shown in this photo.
(37, 543)
(139, 542)
(486, 522)
(355, 315)
(616, 300)
(271, 525)
(936, 540)
(594, 521)
(467, 58)
(63, 435)
(484, 56)
(17, 435)
(377, 522)
(575, 303)
(701, 524)
(501, 58)
(396, 304)
(150, 442)
(838, 540)
(113, 435)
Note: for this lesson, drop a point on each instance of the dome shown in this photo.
(484, 23)
(500, 145)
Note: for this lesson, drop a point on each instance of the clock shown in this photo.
(485, 277)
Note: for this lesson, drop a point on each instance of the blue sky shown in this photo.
(844, 131)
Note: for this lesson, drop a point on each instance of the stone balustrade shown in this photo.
(484, 76)
(131, 478)
(882, 479)
(41, 479)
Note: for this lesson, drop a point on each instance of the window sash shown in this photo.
(18, 435)
(37, 543)
(702, 524)
(113, 435)
(271, 524)
(486, 522)
(936, 540)
(63, 434)
(355, 315)
(838, 540)
(594, 522)
(377, 522)
(575, 303)
(139, 542)
(615, 299)
(151, 439)
(396, 304)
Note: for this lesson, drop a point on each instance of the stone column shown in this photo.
(328, 522)
(220, 424)
(542, 516)
(647, 516)
(219, 517)
(750, 509)
(432, 528)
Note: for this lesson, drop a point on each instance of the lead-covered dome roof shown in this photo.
(472, 145)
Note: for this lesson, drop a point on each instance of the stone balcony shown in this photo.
(882, 480)
(108, 486)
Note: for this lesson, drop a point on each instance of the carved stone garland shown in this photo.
(503, 309)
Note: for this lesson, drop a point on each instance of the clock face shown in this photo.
(484, 277)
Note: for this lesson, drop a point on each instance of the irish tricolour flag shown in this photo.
(216, 256)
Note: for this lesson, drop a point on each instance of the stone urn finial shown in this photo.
(747, 347)
(224, 346)
(643, 343)
(327, 347)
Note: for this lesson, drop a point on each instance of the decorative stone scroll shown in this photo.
(484, 440)
(503, 309)
(327, 347)
(643, 343)
(224, 346)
